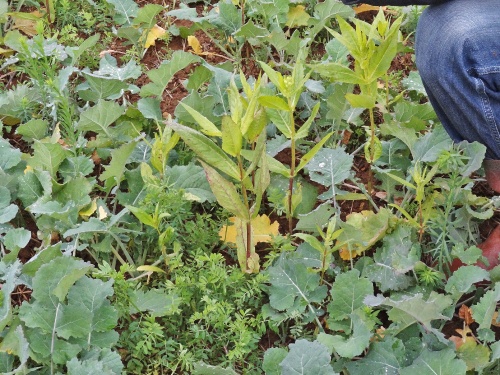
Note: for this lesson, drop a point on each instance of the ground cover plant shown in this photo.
(234, 187)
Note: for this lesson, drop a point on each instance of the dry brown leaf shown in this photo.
(465, 314)
(465, 336)
(155, 33)
(27, 22)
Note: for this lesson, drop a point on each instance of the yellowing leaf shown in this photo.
(194, 43)
(26, 22)
(155, 33)
(150, 269)
(297, 16)
(365, 8)
(262, 230)
(86, 212)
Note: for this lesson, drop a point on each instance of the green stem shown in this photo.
(292, 174)
(248, 244)
(372, 151)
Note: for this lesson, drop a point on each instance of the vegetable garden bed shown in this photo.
(234, 187)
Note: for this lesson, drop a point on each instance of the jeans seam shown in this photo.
(488, 112)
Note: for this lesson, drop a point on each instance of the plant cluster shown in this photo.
(237, 234)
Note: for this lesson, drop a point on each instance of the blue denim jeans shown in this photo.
(458, 57)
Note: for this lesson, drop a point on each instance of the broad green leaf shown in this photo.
(91, 226)
(483, 311)
(207, 126)
(443, 362)
(272, 359)
(338, 73)
(161, 77)
(232, 138)
(226, 193)
(33, 129)
(293, 285)
(114, 171)
(252, 32)
(92, 295)
(34, 185)
(414, 83)
(428, 147)
(76, 166)
(203, 104)
(98, 118)
(307, 357)
(330, 167)
(394, 259)
(150, 108)
(92, 366)
(42, 257)
(7, 211)
(464, 278)
(126, 10)
(207, 150)
(282, 120)
(14, 342)
(201, 368)
(348, 293)
(14, 240)
(274, 102)
(9, 275)
(146, 16)
(47, 157)
(356, 343)
(229, 17)
(330, 8)
(9, 156)
(154, 301)
(57, 277)
(312, 152)
(96, 88)
(315, 219)
(384, 358)
(192, 180)
(44, 348)
(217, 88)
(409, 309)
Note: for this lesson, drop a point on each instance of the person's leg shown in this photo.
(458, 57)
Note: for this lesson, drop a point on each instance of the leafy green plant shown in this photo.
(281, 111)
(373, 48)
(243, 127)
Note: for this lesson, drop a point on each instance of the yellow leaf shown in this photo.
(297, 16)
(153, 34)
(194, 43)
(262, 230)
(365, 8)
(150, 269)
(88, 210)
